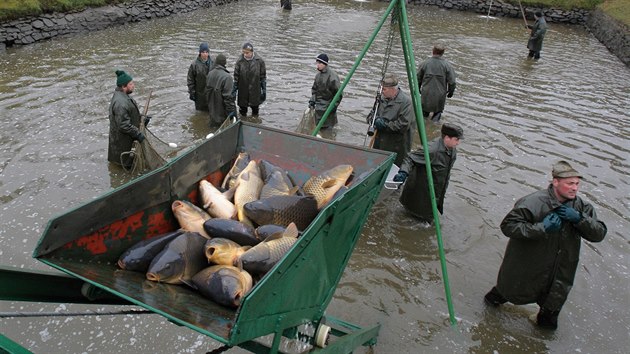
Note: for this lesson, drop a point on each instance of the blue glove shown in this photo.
(263, 91)
(234, 90)
(400, 176)
(379, 123)
(569, 214)
(552, 222)
(311, 103)
(140, 137)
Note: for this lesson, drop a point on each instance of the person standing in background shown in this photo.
(536, 36)
(197, 76)
(250, 81)
(436, 80)
(323, 91)
(219, 90)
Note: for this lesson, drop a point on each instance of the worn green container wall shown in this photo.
(86, 242)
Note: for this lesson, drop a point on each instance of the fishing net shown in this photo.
(147, 155)
(307, 123)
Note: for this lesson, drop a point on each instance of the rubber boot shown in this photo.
(494, 298)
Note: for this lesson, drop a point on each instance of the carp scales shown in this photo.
(139, 256)
(223, 251)
(179, 260)
(217, 204)
(223, 284)
(242, 160)
(283, 210)
(276, 180)
(262, 257)
(233, 230)
(190, 216)
(248, 186)
(324, 186)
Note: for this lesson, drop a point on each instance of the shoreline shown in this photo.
(27, 30)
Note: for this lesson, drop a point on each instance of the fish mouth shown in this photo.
(153, 277)
(121, 264)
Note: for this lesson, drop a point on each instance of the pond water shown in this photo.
(519, 117)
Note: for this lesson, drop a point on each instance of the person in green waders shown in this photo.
(124, 120)
(546, 229)
(197, 75)
(415, 195)
(437, 82)
(536, 36)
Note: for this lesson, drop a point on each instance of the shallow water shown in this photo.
(519, 117)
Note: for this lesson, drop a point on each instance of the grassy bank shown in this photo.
(12, 9)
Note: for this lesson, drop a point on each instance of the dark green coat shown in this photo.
(219, 90)
(415, 196)
(436, 78)
(124, 123)
(537, 35)
(248, 75)
(324, 89)
(538, 266)
(197, 78)
(399, 117)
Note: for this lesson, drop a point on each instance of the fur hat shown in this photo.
(390, 80)
(123, 78)
(562, 169)
(322, 58)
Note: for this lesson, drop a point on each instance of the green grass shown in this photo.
(618, 9)
(13, 9)
(563, 4)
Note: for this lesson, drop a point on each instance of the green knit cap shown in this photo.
(123, 78)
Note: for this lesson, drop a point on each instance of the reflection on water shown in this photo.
(519, 116)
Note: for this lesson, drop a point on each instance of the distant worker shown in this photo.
(124, 120)
(219, 90)
(546, 229)
(536, 36)
(394, 120)
(197, 76)
(323, 91)
(286, 4)
(436, 80)
(250, 80)
(415, 196)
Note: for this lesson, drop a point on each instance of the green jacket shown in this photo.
(436, 78)
(537, 35)
(324, 89)
(399, 117)
(248, 75)
(538, 266)
(415, 196)
(124, 123)
(197, 77)
(219, 90)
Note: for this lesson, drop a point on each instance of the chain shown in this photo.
(390, 41)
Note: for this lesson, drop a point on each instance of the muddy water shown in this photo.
(519, 117)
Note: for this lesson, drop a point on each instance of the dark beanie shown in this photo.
(220, 60)
(452, 130)
(538, 14)
(248, 46)
(322, 58)
(203, 47)
(123, 78)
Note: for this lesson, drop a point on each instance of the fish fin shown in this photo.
(189, 283)
(329, 183)
(293, 190)
(238, 263)
(229, 194)
(291, 231)
(244, 176)
(275, 236)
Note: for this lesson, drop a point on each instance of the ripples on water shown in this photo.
(519, 117)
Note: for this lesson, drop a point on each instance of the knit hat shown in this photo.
(123, 78)
(248, 46)
(390, 80)
(203, 47)
(322, 58)
(562, 169)
(220, 60)
(452, 130)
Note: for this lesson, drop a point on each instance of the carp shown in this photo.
(283, 210)
(217, 204)
(248, 186)
(223, 251)
(223, 284)
(264, 231)
(190, 216)
(179, 260)
(139, 256)
(324, 186)
(276, 180)
(262, 257)
(242, 160)
(233, 230)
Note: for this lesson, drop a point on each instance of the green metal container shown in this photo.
(86, 242)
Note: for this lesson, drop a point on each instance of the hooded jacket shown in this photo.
(219, 90)
(124, 123)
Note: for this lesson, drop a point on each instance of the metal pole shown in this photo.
(405, 37)
(354, 68)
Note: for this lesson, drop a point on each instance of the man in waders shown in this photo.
(415, 196)
(250, 81)
(546, 229)
(536, 36)
(323, 91)
(436, 80)
(197, 76)
(124, 120)
(219, 85)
